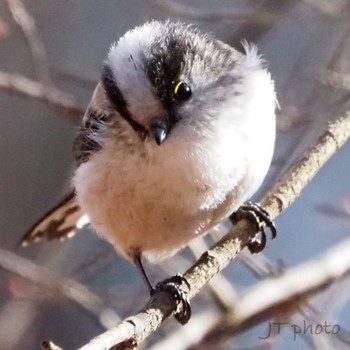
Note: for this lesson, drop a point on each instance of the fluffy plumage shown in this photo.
(152, 200)
(157, 167)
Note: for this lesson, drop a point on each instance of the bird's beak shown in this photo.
(159, 131)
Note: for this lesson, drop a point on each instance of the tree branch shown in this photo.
(330, 8)
(289, 187)
(60, 286)
(42, 89)
(174, 8)
(19, 85)
(27, 25)
(285, 292)
(133, 330)
(184, 337)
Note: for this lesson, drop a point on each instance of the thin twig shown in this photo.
(335, 79)
(329, 8)
(339, 52)
(27, 25)
(135, 329)
(75, 78)
(4, 28)
(173, 8)
(20, 85)
(63, 287)
(286, 292)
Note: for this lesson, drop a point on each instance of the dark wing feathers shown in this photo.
(62, 221)
(59, 223)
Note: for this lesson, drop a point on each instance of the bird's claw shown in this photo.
(172, 286)
(262, 219)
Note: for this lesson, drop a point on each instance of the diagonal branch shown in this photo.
(65, 287)
(133, 330)
(20, 85)
(174, 8)
(285, 292)
(27, 25)
(289, 187)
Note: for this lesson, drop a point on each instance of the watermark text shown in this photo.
(305, 328)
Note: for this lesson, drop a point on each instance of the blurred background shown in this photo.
(51, 53)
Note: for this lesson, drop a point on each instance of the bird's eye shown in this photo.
(182, 91)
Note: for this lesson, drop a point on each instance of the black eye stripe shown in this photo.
(117, 99)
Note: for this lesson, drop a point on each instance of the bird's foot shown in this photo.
(172, 286)
(256, 214)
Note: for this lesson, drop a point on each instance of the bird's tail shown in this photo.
(60, 222)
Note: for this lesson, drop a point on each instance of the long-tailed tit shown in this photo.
(179, 133)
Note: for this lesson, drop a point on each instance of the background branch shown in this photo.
(57, 285)
(19, 85)
(283, 294)
(27, 25)
(184, 11)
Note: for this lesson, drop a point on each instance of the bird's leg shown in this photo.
(255, 213)
(141, 269)
(171, 286)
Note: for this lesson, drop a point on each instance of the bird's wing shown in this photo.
(61, 222)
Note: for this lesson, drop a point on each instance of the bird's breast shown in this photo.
(157, 198)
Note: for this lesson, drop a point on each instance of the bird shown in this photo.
(178, 135)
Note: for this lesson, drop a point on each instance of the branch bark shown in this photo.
(133, 330)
